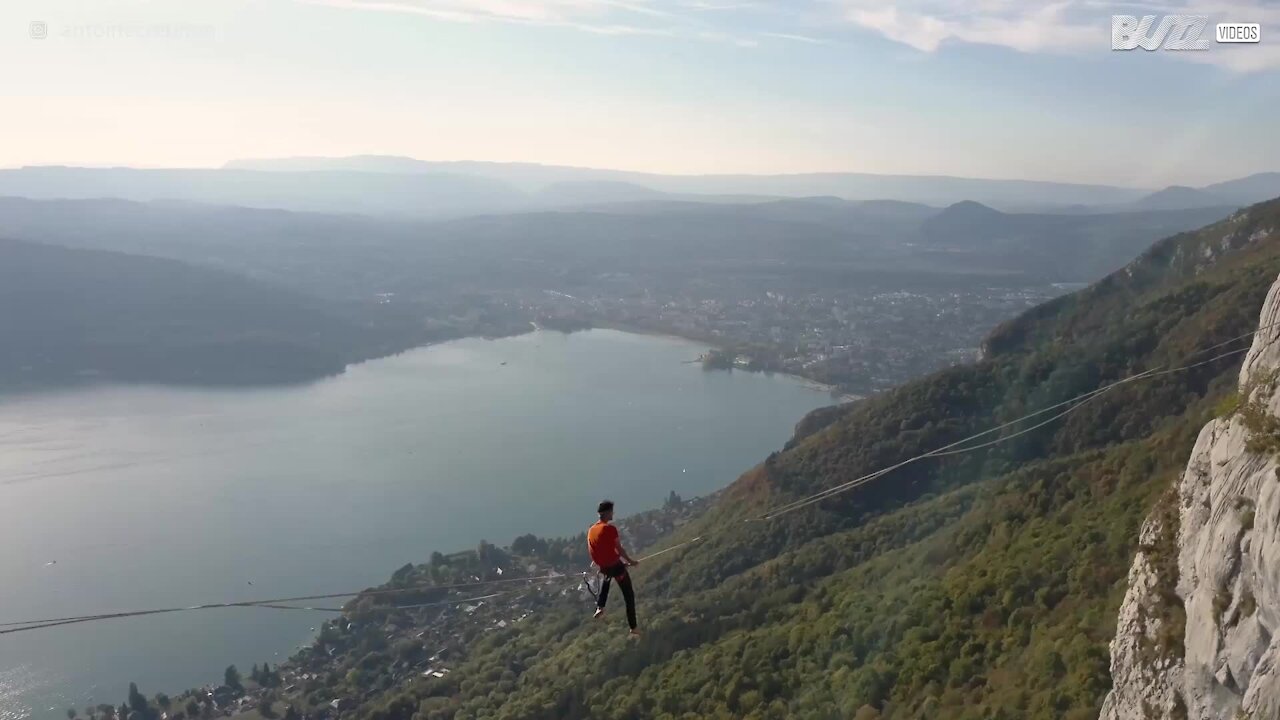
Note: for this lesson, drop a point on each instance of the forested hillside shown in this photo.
(69, 314)
(976, 586)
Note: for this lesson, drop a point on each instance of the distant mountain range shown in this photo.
(927, 189)
(1177, 197)
(350, 257)
(340, 191)
(1070, 246)
(530, 177)
(1262, 186)
(409, 188)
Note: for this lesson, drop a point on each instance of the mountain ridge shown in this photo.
(1239, 191)
(1180, 197)
(78, 315)
(929, 189)
(875, 234)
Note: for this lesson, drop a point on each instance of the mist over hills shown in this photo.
(324, 254)
(1261, 186)
(1025, 195)
(1247, 190)
(337, 191)
(1177, 197)
(933, 190)
(866, 216)
(355, 255)
(72, 315)
(1079, 245)
(408, 188)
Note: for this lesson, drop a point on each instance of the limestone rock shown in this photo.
(1226, 578)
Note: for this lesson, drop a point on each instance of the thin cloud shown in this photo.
(794, 37)
(1053, 26)
(714, 7)
(475, 15)
(598, 17)
(1065, 27)
(1026, 25)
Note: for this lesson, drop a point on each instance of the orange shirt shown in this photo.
(602, 543)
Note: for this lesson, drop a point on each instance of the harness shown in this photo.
(587, 577)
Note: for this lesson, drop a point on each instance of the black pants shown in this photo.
(619, 572)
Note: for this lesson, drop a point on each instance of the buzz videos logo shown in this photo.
(1176, 32)
(38, 30)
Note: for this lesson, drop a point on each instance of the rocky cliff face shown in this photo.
(1198, 634)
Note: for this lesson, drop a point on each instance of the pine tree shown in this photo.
(137, 701)
(232, 678)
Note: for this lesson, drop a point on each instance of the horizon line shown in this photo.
(529, 163)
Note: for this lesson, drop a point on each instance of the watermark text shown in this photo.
(40, 30)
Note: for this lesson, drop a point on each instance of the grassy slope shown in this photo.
(978, 586)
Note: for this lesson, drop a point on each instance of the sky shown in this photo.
(1026, 89)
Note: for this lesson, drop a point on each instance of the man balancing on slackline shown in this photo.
(608, 554)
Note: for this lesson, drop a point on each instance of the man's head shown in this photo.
(605, 510)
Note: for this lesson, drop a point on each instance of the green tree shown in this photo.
(489, 554)
(138, 701)
(866, 712)
(529, 544)
(231, 678)
(404, 575)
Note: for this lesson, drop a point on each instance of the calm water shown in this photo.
(153, 497)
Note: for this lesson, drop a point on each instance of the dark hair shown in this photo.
(604, 507)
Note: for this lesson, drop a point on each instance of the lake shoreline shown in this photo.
(836, 393)
(19, 390)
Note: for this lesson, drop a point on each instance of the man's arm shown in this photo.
(622, 553)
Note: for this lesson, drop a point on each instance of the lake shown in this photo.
(128, 497)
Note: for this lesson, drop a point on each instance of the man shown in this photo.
(608, 554)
